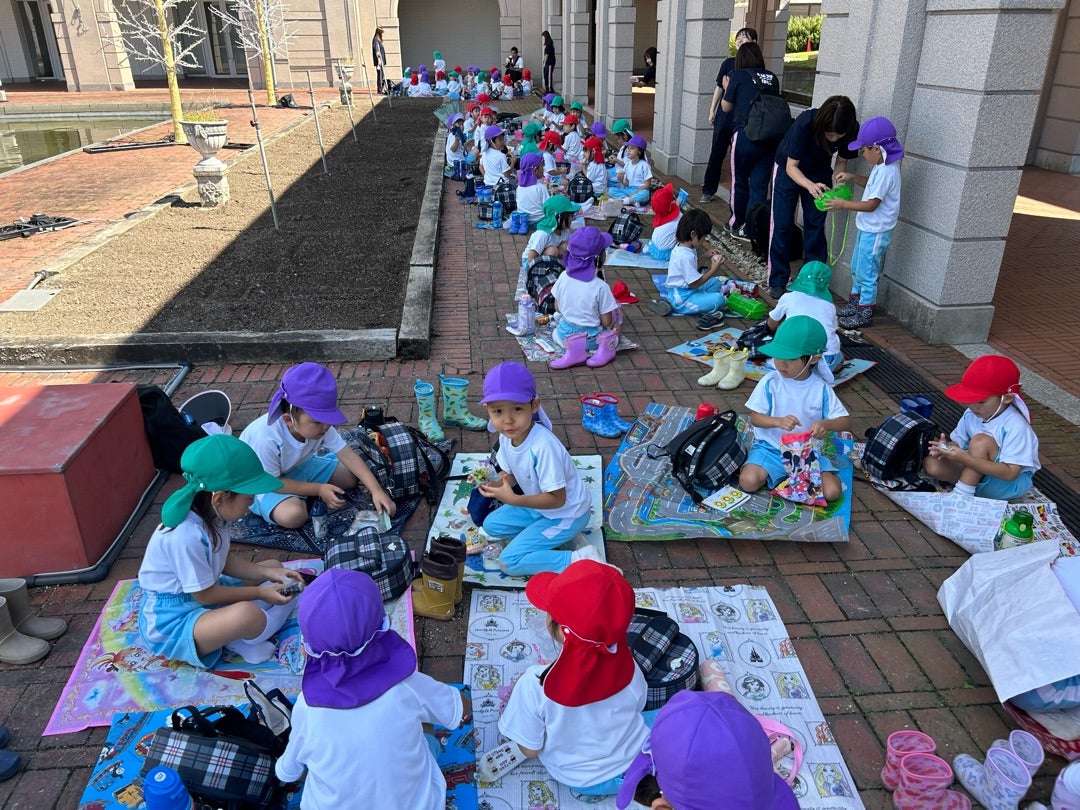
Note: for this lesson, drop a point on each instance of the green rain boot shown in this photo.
(454, 409)
(425, 398)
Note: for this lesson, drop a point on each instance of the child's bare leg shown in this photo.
(831, 487)
(941, 469)
(752, 477)
(982, 446)
(217, 627)
(291, 513)
(343, 477)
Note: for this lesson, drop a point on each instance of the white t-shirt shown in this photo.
(1016, 440)
(682, 271)
(183, 560)
(423, 89)
(541, 464)
(571, 142)
(809, 401)
(598, 174)
(883, 184)
(663, 236)
(541, 240)
(495, 166)
(470, 125)
(636, 174)
(482, 88)
(583, 302)
(822, 311)
(278, 451)
(549, 164)
(453, 86)
(530, 200)
(374, 755)
(580, 746)
(452, 156)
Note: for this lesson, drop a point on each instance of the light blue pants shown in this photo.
(706, 298)
(866, 261)
(317, 469)
(533, 539)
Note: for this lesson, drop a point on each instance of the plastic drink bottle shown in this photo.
(496, 215)
(526, 322)
(1067, 789)
(164, 790)
(318, 519)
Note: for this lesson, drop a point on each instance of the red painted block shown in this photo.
(74, 462)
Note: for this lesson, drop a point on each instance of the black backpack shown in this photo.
(769, 117)
(754, 338)
(707, 455)
(168, 433)
(895, 450)
(541, 277)
(626, 227)
(505, 192)
(580, 188)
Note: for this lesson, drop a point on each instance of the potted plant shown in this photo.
(205, 132)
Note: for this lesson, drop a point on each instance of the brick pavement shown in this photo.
(863, 615)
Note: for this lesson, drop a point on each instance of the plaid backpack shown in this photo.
(506, 193)
(626, 227)
(667, 658)
(580, 189)
(402, 458)
(895, 450)
(385, 557)
(541, 277)
(707, 455)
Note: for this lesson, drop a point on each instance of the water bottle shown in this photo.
(164, 790)
(1067, 789)
(318, 519)
(496, 214)
(526, 322)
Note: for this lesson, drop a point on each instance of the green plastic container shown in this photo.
(838, 192)
(744, 307)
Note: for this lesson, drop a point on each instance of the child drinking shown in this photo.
(690, 290)
(590, 313)
(191, 610)
(288, 439)
(580, 715)
(554, 506)
(357, 727)
(809, 295)
(635, 173)
(993, 452)
(797, 396)
(531, 193)
(552, 231)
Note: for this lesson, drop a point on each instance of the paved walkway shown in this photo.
(863, 615)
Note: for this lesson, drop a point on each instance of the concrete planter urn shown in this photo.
(207, 137)
(345, 91)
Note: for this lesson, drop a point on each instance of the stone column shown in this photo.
(90, 49)
(615, 21)
(575, 60)
(1058, 144)
(697, 33)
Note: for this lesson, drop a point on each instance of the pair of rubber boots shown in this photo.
(729, 368)
(455, 410)
(600, 415)
(438, 591)
(519, 222)
(854, 315)
(1000, 782)
(576, 351)
(24, 637)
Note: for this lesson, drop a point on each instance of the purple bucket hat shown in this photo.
(453, 119)
(311, 387)
(598, 129)
(698, 734)
(493, 132)
(509, 382)
(879, 132)
(527, 169)
(585, 245)
(353, 656)
(639, 142)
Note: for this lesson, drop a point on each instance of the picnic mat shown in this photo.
(115, 673)
(736, 625)
(617, 257)
(643, 502)
(452, 518)
(115, 782)
(541, 347)
(700, 351)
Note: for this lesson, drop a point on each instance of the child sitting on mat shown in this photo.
(552, 231)
(993, 452)
(288, 439)
(809, 295)
(357, 727)
(666, 218)
(554, 506)
(595, 167)
(531, 193)
(690, 290)
(494, 162)
(553, 172)
(590, 314)
(581, 715)
(635, 174)
(190, 610)
(797, 397)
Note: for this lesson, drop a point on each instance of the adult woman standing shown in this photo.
(721, 121)
(549, 62)
(803, 172)
(378, 56)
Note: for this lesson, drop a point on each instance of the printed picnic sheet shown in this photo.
(700, 351)
(115, 673)
(452, 518)
(617, 257)
(643, 502)
(115, 783)
(541, 347)
(736, 625)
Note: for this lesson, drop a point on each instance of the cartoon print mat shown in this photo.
(643, 502)
(541, 346)
(115, 783)
(452, 518)
(737, 625)
(115, 673)
(700, 351)
(618, 257)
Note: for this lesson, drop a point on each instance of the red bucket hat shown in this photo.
(988, 376)
(622, 293)
(551, 138)
(663, 205)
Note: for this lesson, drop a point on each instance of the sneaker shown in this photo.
(710, 321)
(705, 198)
(660, 307)
(740, 233)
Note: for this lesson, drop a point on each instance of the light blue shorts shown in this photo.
(317, 469)
(1000, 490)
(167, 625)
(769, 459)
(565, 329)
(660, 254)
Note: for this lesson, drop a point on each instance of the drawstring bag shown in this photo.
(626, 227)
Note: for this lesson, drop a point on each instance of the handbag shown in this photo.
(666, 657)
(385, 557)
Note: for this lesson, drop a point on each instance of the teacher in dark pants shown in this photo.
(723, 125)
(549, 62)
(378, 56)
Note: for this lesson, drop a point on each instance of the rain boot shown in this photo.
(14, 590)
(15, 647)
(606, 342)
(899, 745)
(611, 403)
(425, 398)
(596, 417)
(433, 593)
(721, 360)
(850, 308)
(924, 783)
(454, 408)
(997, 784)
(863, 317)
(457, 550)
(575, 352)
(736, 371)
(1026, 747)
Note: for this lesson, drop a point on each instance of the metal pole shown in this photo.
(347, 95)
(318, 127)
(262, 151)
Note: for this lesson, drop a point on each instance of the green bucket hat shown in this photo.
(481, 76)
(553, 207)
(577, 106)
(622, 125)
(219, 462)
(532, 129)
(813, 279)
(557, 101)
(798, 336)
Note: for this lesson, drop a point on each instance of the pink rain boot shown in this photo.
(901, 743)
(606, 342)
(575, 352)
(924, 782)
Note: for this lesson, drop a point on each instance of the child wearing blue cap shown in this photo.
(288, 439)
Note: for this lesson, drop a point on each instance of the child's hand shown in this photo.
(843, 177)
(835, 204)
(285, 576)
(787, 423)
(332, 496)
(500, 488)
(383, 502)
(818, 430)
(270, 592)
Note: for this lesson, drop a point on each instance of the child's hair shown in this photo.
(564, 220)
(837, 115)
(693, 222)
(204, 508)
(651, 54)
(294, 411)
(749, 55)
(747, 32)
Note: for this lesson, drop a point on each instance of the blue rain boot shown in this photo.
(596, 417)
(459, 170)
(611, 410)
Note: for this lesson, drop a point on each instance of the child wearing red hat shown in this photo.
(581, 716)
(666, 216)
(571, 142)
(548, 144)
(993, 452)
(596, 166)
(526, 82)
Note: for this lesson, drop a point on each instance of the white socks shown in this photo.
(251, 651)
(586, 552)
(964, 489)
(259, 649)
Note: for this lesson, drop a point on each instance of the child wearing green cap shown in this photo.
(552, 232)
(809, 295)
(797, 397)
(191, 611)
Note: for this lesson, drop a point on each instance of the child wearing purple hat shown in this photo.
(493, 161)
(590, 315)
(288, 439)
(635, 174)
(531, 193)
(705, 752)
(455, 146)
(554, 505)
(357, 724)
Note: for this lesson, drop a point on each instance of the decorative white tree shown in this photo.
(260, 24)
(150, 33)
